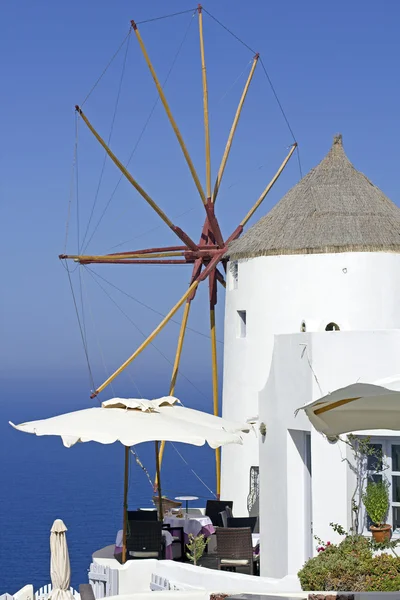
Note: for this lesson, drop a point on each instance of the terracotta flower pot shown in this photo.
(383, 533)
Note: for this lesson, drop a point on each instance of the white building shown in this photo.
(312, 304)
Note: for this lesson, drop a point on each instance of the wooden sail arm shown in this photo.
(161, 325)
(212, 283)
(88, 258)
(268, 188)
(195, 273)
(239, 229)
(220, 278)
(213, 223)
(139, 261)
(205, 105)
(169, 113)
(233, 129)
(177, 230)
(149, 256)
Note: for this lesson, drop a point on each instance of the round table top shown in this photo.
(187, 498)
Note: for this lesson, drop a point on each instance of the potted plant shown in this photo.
(196, 546)
(376, 502)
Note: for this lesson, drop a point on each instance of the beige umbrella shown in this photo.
(133, 421)
(357, 407)
(60, 569)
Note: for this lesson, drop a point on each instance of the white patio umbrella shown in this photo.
(60, 570)
(132, 421)
(357, 407)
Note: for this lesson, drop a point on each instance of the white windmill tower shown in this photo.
(326, 257)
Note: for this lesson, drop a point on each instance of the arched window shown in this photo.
(303, 327)
(332, 327)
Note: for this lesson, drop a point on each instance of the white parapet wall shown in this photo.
(139, 576)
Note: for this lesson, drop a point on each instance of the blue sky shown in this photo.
(335, 68)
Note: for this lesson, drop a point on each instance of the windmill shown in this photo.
(207, 255)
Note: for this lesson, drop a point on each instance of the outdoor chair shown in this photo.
(178, 536)
(142, 515)
(214, 507)
(224, 518)
(144, 540)
(242, 522)
(235, 549)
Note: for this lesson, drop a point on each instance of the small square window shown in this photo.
(241, 327)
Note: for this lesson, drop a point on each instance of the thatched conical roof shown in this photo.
(334, 208)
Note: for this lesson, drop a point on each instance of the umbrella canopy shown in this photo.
(357, 407)
(60, 570)
(132, 421)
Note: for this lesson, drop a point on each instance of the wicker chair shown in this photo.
(214, 507)
(167, 504)
(235, 549)
(242, 522)
(144, 540)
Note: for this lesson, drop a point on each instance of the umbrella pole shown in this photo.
(125, 521)
(160, 510)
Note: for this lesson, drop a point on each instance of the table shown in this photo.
(192, 525)
(186, 499)
(168, 539)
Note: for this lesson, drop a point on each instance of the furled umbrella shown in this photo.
(132, 421)
(357, 407)
(60, 570)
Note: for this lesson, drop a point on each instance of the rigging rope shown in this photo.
(82, 309)
(145, 336)
(236, 80)
(229, 31)
(268, 79)
(283, 114)
(192, 470)
(107, 67)
(72, 183)
(147, 306)
(143, 129)
(182, 12)
(141, 465)
(80, 329)
(106, 371)
(151, 230)
(108, 142)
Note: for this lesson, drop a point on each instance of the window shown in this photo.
(241, 327)
(303, 327)
(332, 327)
(234, 278)
(390, 463)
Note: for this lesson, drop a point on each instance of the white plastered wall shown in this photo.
(359, 291)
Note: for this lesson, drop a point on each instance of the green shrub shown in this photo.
(376, 501)
(351, 566)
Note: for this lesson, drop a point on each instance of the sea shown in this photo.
(41, 481)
